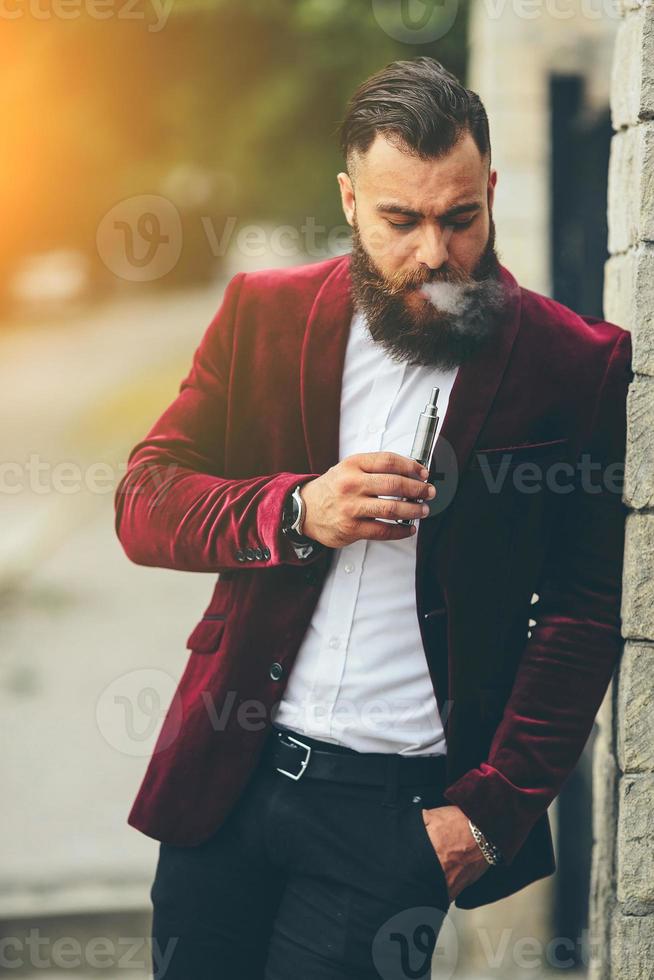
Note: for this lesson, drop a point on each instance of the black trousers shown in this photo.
(304, 880)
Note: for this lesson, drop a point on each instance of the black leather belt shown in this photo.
(295, 755)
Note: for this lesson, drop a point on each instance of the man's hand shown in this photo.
(342, 505)
(457, 850)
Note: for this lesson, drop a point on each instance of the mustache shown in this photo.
(401, 282)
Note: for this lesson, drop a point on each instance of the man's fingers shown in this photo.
(392, 510)
(394, 485)
(378, 531)
(385, 462)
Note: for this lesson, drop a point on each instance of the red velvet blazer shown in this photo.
(517, 513)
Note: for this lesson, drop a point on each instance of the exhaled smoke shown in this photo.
(469, 307)
(445, 296)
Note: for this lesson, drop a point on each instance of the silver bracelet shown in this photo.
(492, 853)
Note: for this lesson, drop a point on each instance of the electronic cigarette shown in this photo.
(424, 440)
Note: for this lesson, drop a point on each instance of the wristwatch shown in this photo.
(293, 517)
(292, 522)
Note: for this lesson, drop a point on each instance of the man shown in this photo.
(366, 728)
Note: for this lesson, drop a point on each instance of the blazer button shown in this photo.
(240, 556)
(249, 554)
(276, 671)
(266, 553)
(259, 553)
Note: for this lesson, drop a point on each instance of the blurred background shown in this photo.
(151, 150)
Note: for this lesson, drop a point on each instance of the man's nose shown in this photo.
(432, 248)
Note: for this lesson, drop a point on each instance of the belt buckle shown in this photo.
(303, 764)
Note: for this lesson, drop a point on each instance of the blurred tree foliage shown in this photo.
(247, 92)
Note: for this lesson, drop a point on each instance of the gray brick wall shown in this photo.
(622, 888)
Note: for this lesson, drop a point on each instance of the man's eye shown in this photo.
(459, 224)
(401, 224)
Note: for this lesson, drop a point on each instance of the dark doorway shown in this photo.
(580, 142)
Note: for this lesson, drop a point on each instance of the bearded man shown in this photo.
(399, 665)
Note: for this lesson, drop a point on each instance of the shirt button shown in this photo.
(276, 671)
(348, 568)
(334, 643)
(372, 427)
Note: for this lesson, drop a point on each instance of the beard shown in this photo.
(456, 315)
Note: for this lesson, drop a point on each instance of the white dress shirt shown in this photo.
(361, 678)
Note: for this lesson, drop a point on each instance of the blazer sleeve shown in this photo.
(568, 662)
(173, 507)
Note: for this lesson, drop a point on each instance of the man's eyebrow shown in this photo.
(390, 207)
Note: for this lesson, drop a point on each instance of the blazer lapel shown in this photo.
(321, 372)
(472, 394)
(321, 367)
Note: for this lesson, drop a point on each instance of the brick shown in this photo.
(623, 191)
(631, 188)
(635, 855)
(639, 470)
(638, 579)
(632, 947)
(629, 301)
(636, 709)
(632, 79)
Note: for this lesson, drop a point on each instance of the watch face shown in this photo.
(291, 512)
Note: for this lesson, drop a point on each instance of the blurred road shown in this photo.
(90, 644)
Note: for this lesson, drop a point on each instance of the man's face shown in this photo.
(418, 222)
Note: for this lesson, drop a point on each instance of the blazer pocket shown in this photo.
(206, 636)
(510, 456)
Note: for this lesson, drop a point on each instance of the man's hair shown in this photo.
(418, 105)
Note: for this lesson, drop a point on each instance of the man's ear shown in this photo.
(492, 181)
(347, 196)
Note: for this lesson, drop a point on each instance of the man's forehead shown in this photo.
(386, 172)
